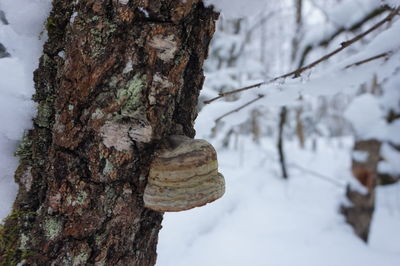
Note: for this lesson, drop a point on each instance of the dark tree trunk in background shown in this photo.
(3, 50)
(282, 122)
(115, 79)
(359, 213)
(300, 127)
(298, 28)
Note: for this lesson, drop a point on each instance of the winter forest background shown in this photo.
(289, 148)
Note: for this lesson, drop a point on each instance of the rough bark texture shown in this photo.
(359, 213)
(115, 79)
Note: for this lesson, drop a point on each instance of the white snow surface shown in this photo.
(237, 8)
(360, 156)
(366, 117)
(23, 39)
(390, 163)
(264, 220)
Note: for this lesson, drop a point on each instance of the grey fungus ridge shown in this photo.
(184, 175)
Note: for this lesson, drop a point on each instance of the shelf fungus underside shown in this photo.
(183, 176)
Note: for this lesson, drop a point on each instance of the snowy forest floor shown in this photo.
(265, 220)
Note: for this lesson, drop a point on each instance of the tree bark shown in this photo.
(115, 79)
(359, 213)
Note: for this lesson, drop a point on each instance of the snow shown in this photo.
(343, 15)
(23, 39)
(366, 116)
(386, 218)
(349, 12)
(236, 8)
(360, 156)
(390, 163)
(265, 220)
(325, 81)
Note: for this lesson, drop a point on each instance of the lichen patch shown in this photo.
(97, 114)
(141, 133)
(108, 168)
(161, 81)
(52, 228)
(27, 179)
(128, 67)
(116, 135)
(130, 97)
(166, 47)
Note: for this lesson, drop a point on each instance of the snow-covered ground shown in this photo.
(265, 220)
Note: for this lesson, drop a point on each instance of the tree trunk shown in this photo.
(300, 127)
(359, 213)
(298, 28)
(3, 50)
(115, 79)
(282, 122)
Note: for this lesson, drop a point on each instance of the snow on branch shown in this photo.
(346, 75)
(297, 73)
(311, 41)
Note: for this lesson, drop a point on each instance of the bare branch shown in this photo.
(369, 59)
(296, 73)
(239, 108)
(321, 176)
(223, 94)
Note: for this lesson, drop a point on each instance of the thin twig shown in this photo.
(240, 107)
(296, 73)
(321, 176)
(311, 172)
(369, 59)
(234, 91)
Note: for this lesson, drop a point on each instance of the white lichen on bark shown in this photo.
(166, 47)
(116, 135)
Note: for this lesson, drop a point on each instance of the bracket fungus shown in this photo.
(183, 176)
